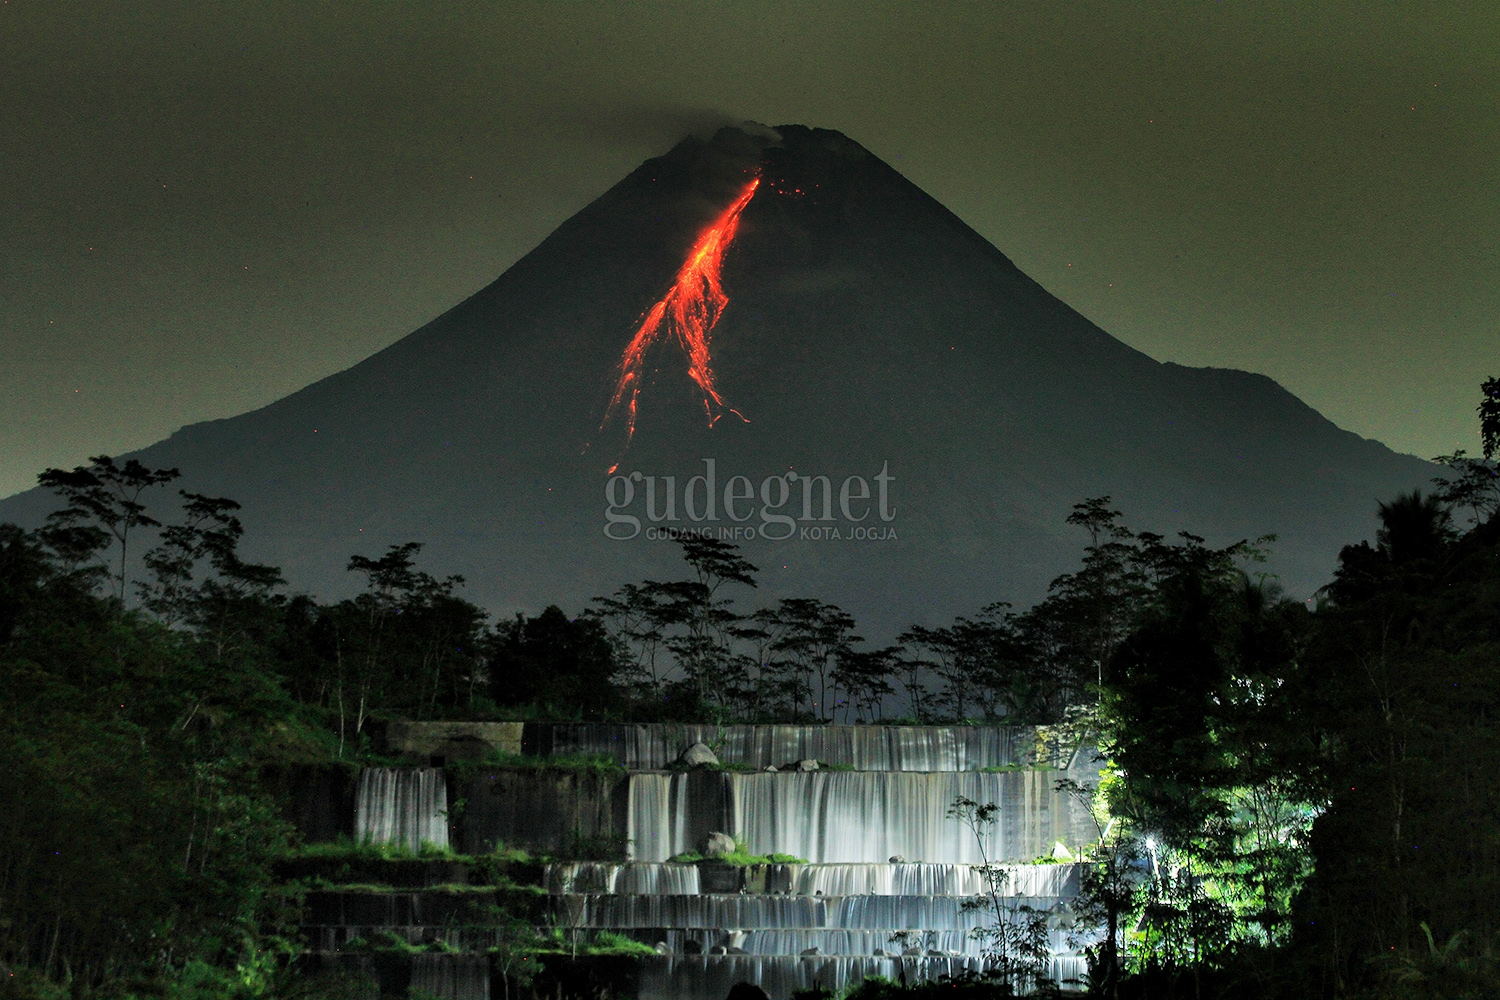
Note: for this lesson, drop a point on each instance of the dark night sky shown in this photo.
(208, 206)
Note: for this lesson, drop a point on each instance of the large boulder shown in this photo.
(717, 845)
(698, 755)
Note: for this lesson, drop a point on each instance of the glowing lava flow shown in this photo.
(687, 312)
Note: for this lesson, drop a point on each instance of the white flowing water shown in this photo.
(889, 943)
(659, 879)
(921, 880)
(676, 977)
(402, 805)
(451, 977)
(748, 911)
(649, 747)
(634, 879)
(872, 816)
(657, 817)
(854, 816)
(852, 905)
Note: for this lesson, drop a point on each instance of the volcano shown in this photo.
(775, 338)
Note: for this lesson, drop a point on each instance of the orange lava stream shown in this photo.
(687, 313)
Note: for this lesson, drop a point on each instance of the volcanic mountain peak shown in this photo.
(860, 328)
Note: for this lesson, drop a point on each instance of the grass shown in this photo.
(347, 864)
(600, 765)
(386, 941)
(376, 888)
(345, 848)
(600, 943)
(348, 849)
(740, 857)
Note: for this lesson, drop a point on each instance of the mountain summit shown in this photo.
(774, 337)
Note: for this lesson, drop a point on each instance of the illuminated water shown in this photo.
(887, 890)
(402, 805)
(653, 747)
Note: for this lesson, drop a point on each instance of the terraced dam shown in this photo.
(846, 862)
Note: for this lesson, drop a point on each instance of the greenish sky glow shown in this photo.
(206, 207)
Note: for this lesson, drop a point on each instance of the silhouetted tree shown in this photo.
(814, 637)
(555, 663)
(103, 500)
(1473, 483)
(1489, 417)
(865, 676)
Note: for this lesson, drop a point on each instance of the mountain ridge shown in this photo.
(865, 323)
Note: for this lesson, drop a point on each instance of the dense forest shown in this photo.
(1299, 798)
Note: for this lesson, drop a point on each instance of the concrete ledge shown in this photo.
(452, 739)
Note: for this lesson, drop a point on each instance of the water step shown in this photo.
(443, 976)
(780, 912)
(402, 805)
(388, 909)
(673, 977)
(405, 873)
(651, 747)
(854, 816)
(839, 879)
(471, 940)
(892, 941)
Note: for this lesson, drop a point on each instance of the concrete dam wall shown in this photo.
(879, 885)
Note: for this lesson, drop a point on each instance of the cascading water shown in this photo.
(852, 816)
(871, 816)
(637, 879)
(673, 977)
(450, 977)
(402, 805)
(907, 879)
(657, 822)
(746, 911)
(884, 891)
(890, 871)
(647, 747)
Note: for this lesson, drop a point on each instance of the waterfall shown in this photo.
(883, 792)
(610, 878)
(450, 977)
(668, 813)
(673, 977)
(657, 879)
(851, 816)
(864, 748)
(919, 880)
(795, 940)
(763, 912)
(407, 806)
(872, 816)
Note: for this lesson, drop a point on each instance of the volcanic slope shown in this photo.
(865, 327)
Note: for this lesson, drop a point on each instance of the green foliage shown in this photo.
(130, 776)
(1408, 661)
(347, 848)
(598, 765)
(964, 986)
(1295, 801)
(740, 857)
(1458, 969)
(562, 942)
(1489, 417)
(565, 665)
(593, 847)
(388, 942)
